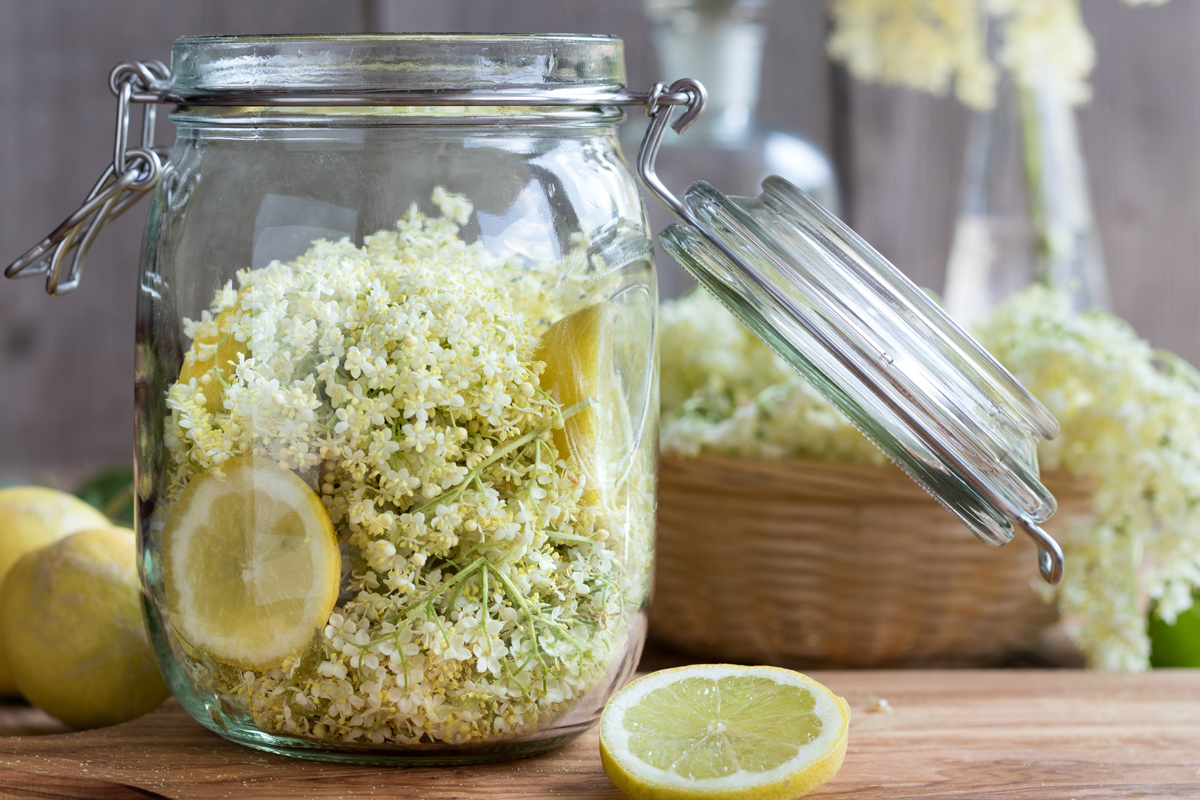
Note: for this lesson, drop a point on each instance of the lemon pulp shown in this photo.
(576, 352)
(251, 564)
(720, 731)
(223, 350)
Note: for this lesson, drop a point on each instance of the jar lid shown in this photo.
(356, 69)
(923, 390)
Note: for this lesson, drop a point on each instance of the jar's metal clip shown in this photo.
(660, 116)
(132, 172)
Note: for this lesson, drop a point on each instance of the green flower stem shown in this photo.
(567, 537)
(516, 597)
(405, 613)
(566, 635)
(484, 612)
(450, 496)
(437, 620)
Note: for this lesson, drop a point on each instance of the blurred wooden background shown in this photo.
(66, 364)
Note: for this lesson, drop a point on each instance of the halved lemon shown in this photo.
(251, 564)
(577, 351)
(219, 366)
(718, 731)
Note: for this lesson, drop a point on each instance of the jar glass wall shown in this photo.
(397, 408)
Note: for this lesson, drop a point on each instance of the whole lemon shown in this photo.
(71, 621)
(33, 517)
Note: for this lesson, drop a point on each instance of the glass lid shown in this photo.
(942, 408)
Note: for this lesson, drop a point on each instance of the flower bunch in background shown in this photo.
(1130, 415)
(725, 392)
(1130, 418)
(928, 45)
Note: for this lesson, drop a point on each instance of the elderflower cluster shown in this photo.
(929, 44)
(725, 392)
(1130, 419)
(489, 586)
(921, 45)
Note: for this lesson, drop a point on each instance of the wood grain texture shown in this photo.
(903, 163)
(987, 735)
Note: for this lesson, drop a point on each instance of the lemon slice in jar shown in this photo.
(577, 352)
(251, 564)
(219, 365)
(719, 731)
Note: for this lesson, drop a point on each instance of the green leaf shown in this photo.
(111, 492)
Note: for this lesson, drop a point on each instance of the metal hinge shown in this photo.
(133, 171)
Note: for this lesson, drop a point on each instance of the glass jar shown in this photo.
(396, 384)
(397, 403)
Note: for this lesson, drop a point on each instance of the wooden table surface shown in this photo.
(1012, 734)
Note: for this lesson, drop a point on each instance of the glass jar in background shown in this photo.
(720, 43)
(397, 397)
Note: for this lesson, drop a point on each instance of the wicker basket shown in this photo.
(822, 565)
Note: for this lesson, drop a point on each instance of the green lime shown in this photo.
(1176, 645)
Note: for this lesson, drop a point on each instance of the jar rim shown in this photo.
(347, 64)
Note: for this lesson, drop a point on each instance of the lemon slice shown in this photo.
(220, 363)
(722, 731)
(251, 564)
(577, 352)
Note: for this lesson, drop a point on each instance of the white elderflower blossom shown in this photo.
(1130, 419)
(725, 392)
(397, 378)
(928, 45)
(916, 43)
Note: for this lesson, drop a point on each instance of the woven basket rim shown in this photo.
(886, 481)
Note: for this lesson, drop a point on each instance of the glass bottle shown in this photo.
(397, 400)
(720, 43)
(1025, 212)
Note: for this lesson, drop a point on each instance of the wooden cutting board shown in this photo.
(1012, 734)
